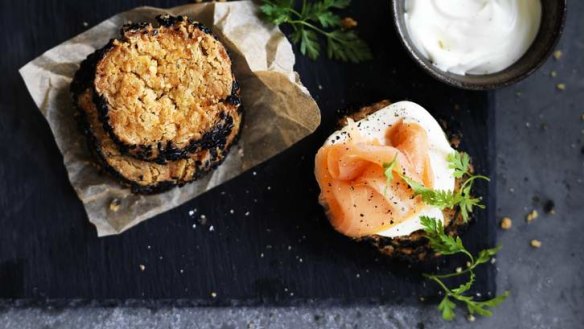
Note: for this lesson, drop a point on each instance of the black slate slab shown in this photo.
(276, 247)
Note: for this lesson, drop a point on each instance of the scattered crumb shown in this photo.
(247, 213)
(115, 205)
(357, 275)
(142, 267)
(213, 294)
(506, 223)
(269, 188)
(232, 211)
(181, 271)
(471, 318)
(191, 213)
(254, 173)
(549, 207)
(535, 243)
(553, 74)
(148, 247)
(558, 54)
(203, 219)
(561, 86)
(458, 269)
(211, 228)
(349, 23)
(85, 24)
(194, 226)
(455, 141)
(493, 260)
(319, 87)
(531, 216)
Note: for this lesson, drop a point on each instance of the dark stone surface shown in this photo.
(283, 252)
(540, 133)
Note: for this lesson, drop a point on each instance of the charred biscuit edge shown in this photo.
(201, 167)
(162, 152)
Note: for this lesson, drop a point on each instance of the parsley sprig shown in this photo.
(445, 244)
(316, 18)
(459, 162)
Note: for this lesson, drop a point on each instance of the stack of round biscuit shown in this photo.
(160, 105)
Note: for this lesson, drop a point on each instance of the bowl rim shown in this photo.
(445, 77)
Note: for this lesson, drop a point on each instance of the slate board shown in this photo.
(276, 249)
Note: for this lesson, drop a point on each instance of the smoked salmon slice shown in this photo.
(354, 189)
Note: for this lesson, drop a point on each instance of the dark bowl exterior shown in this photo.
(552, 23)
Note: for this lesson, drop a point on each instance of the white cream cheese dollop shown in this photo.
(374, 127)
(473, 36)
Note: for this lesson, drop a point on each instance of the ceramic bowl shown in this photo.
(552, 23)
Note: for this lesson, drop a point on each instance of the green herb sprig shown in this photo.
(445, 244)
(316, 18)
(459, 162)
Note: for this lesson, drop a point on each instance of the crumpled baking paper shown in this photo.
(279, 110)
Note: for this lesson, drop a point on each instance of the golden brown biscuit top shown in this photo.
(164, 85)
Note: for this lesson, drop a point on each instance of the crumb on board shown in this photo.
(471, 318)
(213, 294)
(561, 86)
(349, 23)
(142, 267)
(553, 74)
(531, 216)
(506, 223)
(535, 243)
(115, 204)
(558, 54)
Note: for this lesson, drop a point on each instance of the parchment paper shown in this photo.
(279, 110)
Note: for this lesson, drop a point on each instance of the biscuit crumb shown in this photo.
(348, 23)
(213, 294)
(142, 267)
(558, 54)
(553, 74)
(115, 205)
(506, 223)
(532, 216)
(535, 243)
(471, 318)
(561, 86)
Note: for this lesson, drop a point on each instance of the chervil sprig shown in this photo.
(317, 18)
(460, 164)
(445, 244)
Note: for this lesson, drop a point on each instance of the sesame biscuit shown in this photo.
(161, 91)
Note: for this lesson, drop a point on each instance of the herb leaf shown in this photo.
(463, 199)
(447, 307)
(445, 244)
(460, 162)
(317, 18)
